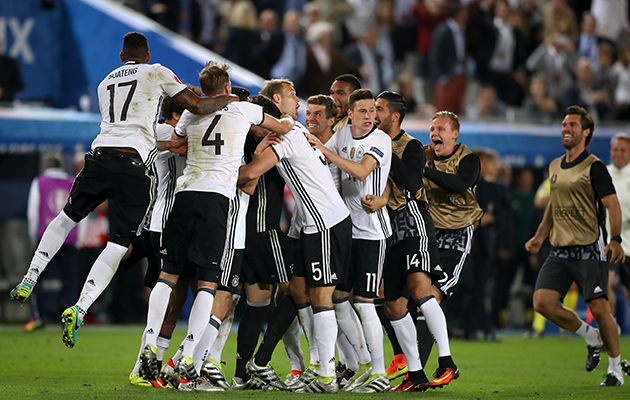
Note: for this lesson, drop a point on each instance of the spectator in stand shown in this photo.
(335, 13)
(621, 70)
(404, 30)
(487, 106)
(242, 35)
(310, 14)
(363, 16)
(555, 60)
(559, 17)
(429, 14)
(270, 45)
(384, 43)
(10, 76)
(603, 68)
(292, 62)
(539, 106)
(531, 24)
(323, 61)
(587, 93)
(612, 18)
(447, 60)
(365, 52)
(501, 55)
(587, 43)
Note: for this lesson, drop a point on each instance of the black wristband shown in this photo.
(616, 238)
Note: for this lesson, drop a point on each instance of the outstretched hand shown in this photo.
(178, 146)
(268, 140)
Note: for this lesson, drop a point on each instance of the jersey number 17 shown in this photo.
(112, 91)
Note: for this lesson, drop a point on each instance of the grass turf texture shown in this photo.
(38, 365)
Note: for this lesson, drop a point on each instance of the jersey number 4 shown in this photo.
(216, 142)
(112, 90)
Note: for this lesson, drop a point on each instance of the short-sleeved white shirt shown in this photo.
(130, 98)
(377, 144)
(216, 147)
(168, 167)
(306, 173)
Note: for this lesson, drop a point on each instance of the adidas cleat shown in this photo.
(408, 386)
(442, 377)
(72, 321)
(161, 383)
(374, 384)
(169, 375)
(148, 362)
(612, 379)
(304, 379)
(186, 368)
(251, 384)
(211, 370)
(22, 291)
(266, 374)
(362, 375)
(198, 385)
(345, 378)
(398, 367)
(137, 380)
(625, 367)
(317, 386)
(592, 360)
(292, 378)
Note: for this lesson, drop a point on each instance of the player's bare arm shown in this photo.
(373, 203)
(357, 170)
(249, 173)
(203, 105)
(280, 126)
(177, 145)
(533, 244)
(611, 202)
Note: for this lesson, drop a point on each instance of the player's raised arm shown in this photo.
(203, 105)
(281, 126)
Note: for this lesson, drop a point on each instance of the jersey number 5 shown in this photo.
(216, 142)
(112, 90)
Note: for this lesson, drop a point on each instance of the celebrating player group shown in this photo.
(380, 232)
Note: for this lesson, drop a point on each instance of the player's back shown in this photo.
(216, 147)
(129, 100)
(305, 171)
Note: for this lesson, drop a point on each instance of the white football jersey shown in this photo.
(305, 171)
(216, 147)
(167, 168)
(377, 144)
(130, 98)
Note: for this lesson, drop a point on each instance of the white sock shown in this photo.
(206, 342)
(436, 322)
(198, 320)
(373, 334)
(350, 325)
(407, 337)
(158, 302)
(162, 345)
(347, 355)
(291, 339)
(325, 328)
(614, 365)
(136, 368)
(306, 319)
(101, 274)
(590, 334)
(178, 353)
(224, 332)
(52, 240)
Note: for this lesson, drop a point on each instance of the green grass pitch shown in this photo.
(38, 366)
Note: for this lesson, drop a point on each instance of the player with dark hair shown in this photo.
(340, 90)
(117, 169)
(581, 192)
(363, 154)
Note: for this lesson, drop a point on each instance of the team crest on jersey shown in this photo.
(360, 152)
(234, 280)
